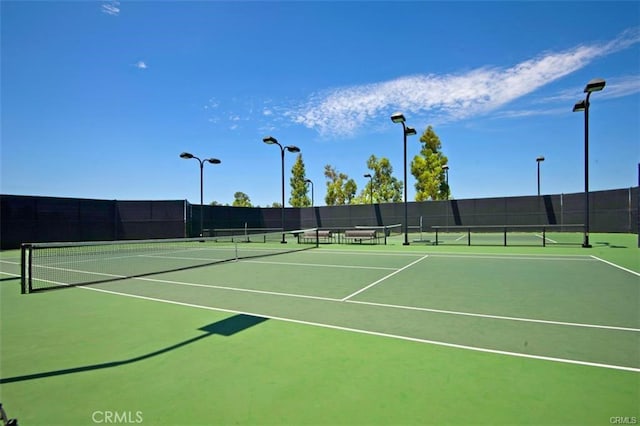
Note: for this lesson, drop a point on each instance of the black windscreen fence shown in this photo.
(26, 219)
(141, 220)
(49, 219)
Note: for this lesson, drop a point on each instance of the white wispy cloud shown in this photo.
(617, 86)
(622, 86)
(447, 97)
(111, 8)
(561, 102)
(532, 112)
(239, 111)
(141, 65)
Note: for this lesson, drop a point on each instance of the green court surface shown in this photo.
(340, 334)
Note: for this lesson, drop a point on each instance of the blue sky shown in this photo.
(100, 98)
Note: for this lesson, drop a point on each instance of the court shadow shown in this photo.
(226, 327)
(609, 245)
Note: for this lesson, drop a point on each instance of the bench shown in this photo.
(311, 235)
(359, 235)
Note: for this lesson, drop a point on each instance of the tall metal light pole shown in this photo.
(188, 156)
(270, 140)
(539, 160)
(446, 178)
(309, 181)
(368, 175)
(398, 117)
(594, 85)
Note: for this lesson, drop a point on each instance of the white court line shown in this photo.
(248, 260)
(580, 258)
(215, 287)
(384, 278)
(546, 238)
(318, 251)
(531, 256)
(375, 333)
(498, 317)
(321, 265)
(201, 259)
(617, 266)
(460, 237)
(245, 290)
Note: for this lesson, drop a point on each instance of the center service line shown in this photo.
(384, 278)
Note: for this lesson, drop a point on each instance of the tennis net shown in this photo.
(60, 265)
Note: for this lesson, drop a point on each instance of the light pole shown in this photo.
(368, 175)
(398, 117)
(594, 85)
(270, 140)
(539, 160)
(188, 156)
(309, 181)
(446, 178)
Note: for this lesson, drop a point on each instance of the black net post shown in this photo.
(25, 269)
(23, 256)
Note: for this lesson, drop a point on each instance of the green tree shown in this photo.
(340, 189)
(240, 199)
(386, 188)
(299, 188)
(349, 190)
(427, 169)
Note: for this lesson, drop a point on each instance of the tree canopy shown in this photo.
(340, 188)
(386, 188)
(240, 199)
(299, 188)
(427, 169)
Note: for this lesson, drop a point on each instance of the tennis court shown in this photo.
(335, 334)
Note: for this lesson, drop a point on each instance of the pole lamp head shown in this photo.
(269, 140)
(213, 160)
(397, 117)
(292, 148)
(409, 131)
(368, 175)
(594, 85)
(580, 106)
(186, 155)
(539, 159)
(445, 167)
